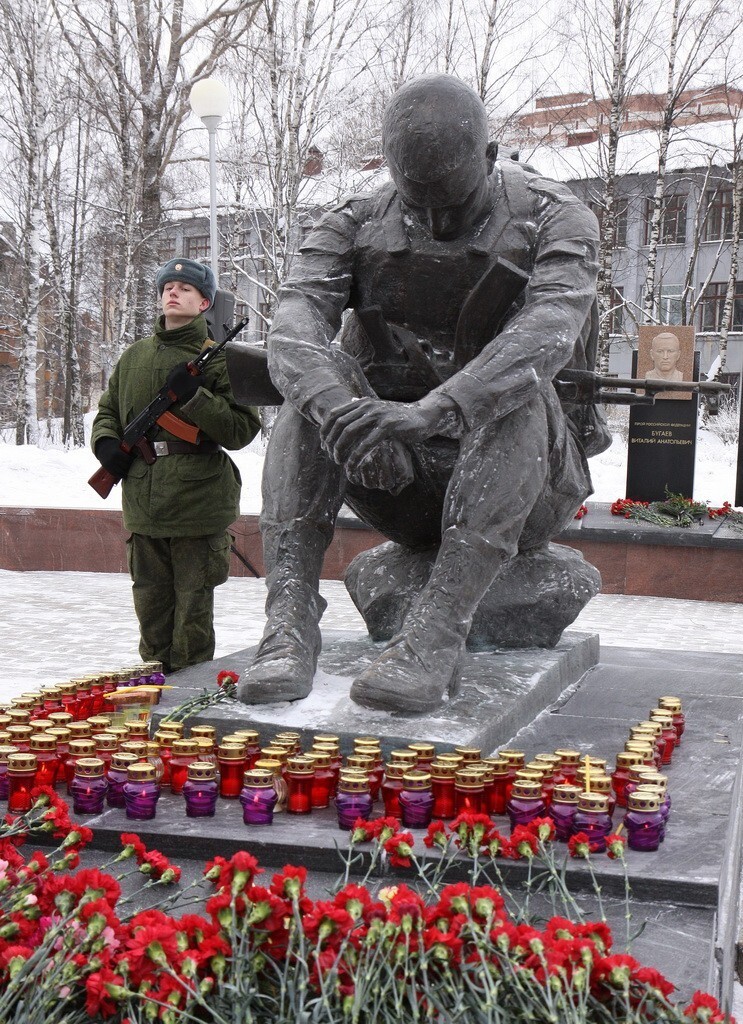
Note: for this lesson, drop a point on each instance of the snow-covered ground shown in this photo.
(51, 477)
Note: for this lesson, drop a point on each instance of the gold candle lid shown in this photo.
(5, 720)
(529, 789)
(627, 758)
(60, 735)
(105, 741)
(82, 747)
(396, 771)
(300, 765)
(80, 730)
(43, 741)
(670, 704)
(176, 727)
(90, 767)
(565, 794)
(5, 751)
(469, 754)
(529, 775)
(99, 722)
(363, 761)
(646, 749)
(268, 764)
(353, 782)
(122, 759)
(553, 760)
(417, 780)
(201, 771)
(639, 771)
(249, 736)
(182, 748)
(207, 731)
(20, 731)
(225, 751)
(403, 757)
(205, 745)
(423, 749)
(328, 748)
(258, 778)
(592, 802)
(568, 757)
(165, 739)
(601, 784)
(325, 737)
(498, 764)
(68, 689)
(655, 779)
(289, 734)
(320, 759)
(136, 729)
(22, 762)
(442, 769)
(546, 770)
(514, 757)
(40, 724)
(643, 800)
(61, 718)
(655, 727)
(465, 778)
(275, 753)
(22, 704)
(138, 747)
(141, 771)
(19, 716)
(153, 749)
(664, 717)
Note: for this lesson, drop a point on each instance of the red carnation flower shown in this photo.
(705, 1009)
(399, 849)
(101, 992)
(579, 845)
(227, 678)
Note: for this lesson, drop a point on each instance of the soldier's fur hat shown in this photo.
(189, 272)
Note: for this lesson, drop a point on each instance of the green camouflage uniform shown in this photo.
(178, 509)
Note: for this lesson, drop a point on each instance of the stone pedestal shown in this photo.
(532, 600)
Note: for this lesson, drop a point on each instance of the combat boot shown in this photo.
(286, 659)
(424, 661)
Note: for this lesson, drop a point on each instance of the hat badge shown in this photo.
(179, 266)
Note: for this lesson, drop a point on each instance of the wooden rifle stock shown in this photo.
(103, 482)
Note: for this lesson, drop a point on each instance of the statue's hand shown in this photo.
(353, 431)
(388, 467)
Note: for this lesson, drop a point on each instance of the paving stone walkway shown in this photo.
(54, 625)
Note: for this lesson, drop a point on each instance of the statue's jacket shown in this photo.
(373, 251)
(179, 495)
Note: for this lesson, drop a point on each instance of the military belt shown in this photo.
(163, 448)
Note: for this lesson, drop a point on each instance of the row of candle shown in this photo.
(413, 782)
(87, 695)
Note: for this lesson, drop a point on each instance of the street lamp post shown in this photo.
(209, 100)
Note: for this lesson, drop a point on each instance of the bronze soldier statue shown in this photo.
(415, 344)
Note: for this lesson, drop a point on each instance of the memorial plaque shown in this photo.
(662, 445)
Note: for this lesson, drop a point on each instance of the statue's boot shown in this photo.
(424, 661)
(286, 659)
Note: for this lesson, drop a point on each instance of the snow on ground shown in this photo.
(49, 476)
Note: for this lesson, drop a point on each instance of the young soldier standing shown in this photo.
(177, 509)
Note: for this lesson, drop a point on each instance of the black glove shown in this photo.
(182, 383)
(109, 454)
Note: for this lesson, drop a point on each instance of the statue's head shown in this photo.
(435, 140)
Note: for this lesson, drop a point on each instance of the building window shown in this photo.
(712, 305)
(719, 221)
(668, 308)
(616, 311)
(262, 320)
(620, 221)
(672, 221)
(198, 247)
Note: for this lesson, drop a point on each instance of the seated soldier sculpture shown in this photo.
(415, 344)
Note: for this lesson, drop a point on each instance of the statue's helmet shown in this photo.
(435, 137)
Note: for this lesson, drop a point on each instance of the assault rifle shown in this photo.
(583, 387)
(135, 432)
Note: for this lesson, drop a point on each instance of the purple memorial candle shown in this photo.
(117, 776)
(258, 797)
(353, 799)
(643, 821)
(416, 800)
(525, 802)
(141, 791)
(562, 810)
(201, 790)
(89, 786)
(592, 817)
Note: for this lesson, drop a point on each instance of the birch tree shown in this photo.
(139, 60)
(694, 30)
(27, 49)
